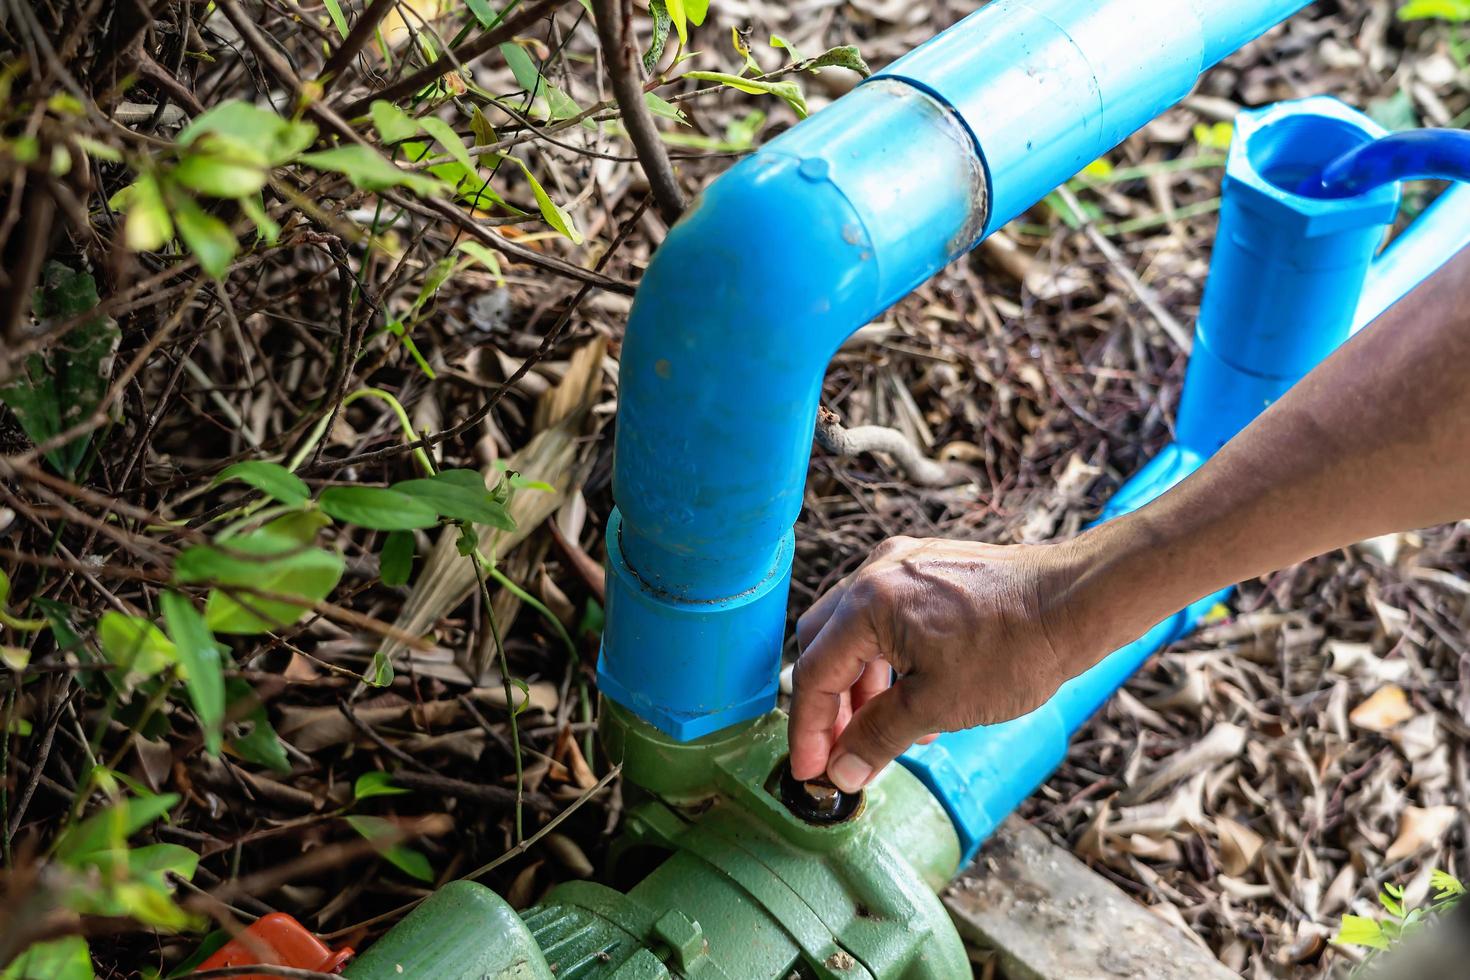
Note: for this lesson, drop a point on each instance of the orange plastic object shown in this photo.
(277, 940)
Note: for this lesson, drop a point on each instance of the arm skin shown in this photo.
(1376, 439)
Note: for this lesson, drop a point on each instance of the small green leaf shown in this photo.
(659, 11)
(135, 644)
(376, 508)
(367, 170)
(405, 859)
(395, 564)
(16, 658)
(266, 227)
(200, 657)
(371, 784)
(57, 959)
(843, 56)
(278, 140)
(148, 226)
(679, 18)
(220, 167)
(664, 108)
(380, 672)
(1356, 930)
(484, 132)
(16, 623)
(265, 561)
(110, 828)
(787, 91)
(550, 210)
(457, 500)
(257, 741)
(522, 67)
(777, 41)
(271, 479)
(446, 137)
(486, 257)
(209, 238)
(483, 13)
(1214, 137)
(392, 123)
(1453, 11)
(334, 11)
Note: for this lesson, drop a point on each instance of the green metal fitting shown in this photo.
(722, 882)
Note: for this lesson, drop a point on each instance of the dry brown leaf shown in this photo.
(1224, 741)
(1386, 709)
(1239, 846)
(1419, 828)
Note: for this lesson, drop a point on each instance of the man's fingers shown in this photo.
(875, 680)
(878, 732)
(826, 669)
(817, 614)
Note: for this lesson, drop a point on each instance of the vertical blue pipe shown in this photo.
(792, 250)
(1282, 294)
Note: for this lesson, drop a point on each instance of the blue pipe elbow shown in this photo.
(795, 248)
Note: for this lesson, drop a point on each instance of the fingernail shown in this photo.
(849, 773)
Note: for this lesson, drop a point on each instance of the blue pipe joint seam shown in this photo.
(734, 689)
(1047, 86)
(1287, 270)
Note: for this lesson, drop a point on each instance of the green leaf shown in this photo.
(257, 741)
(110, 828)
(1395, 112)
(371, 784)
(271, 479)
(376, 508)
(1445, 884)
(16, 623)
(1356, 930)
(659, 11)
(550, 210)
(299, 526)
(395, 564)
(522, 67)
(262, 560)
(843, 56)
(777, 41)
(266, 227)
(59, 959)
(16, 658)
(455, 499)
(1215, 137)
(446, 137)
(148, 226)
(392, 123)
(485, 256)
(405, 859)
(484, 132)
(278, 140)
(220, 167)
(64, 384)
(209, 238)
(334, 10)
(664, 108)
(1454, 11)
(367, 170)
(200, 657)
(135, 644)
(380, 671)
(483, 13)
(679, 18)
(787, 91)
(695, 10)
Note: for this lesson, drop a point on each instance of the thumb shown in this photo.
(881, 729)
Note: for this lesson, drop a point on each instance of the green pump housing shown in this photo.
(723, 882)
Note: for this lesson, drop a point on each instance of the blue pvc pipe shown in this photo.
(1418, 154)
(1283, 292)
(792, 250)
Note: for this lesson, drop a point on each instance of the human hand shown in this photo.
(977, 633)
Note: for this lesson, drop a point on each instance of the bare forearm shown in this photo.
(1377, 439)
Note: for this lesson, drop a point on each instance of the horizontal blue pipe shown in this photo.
(792, 250)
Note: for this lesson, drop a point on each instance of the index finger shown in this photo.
(830, 665)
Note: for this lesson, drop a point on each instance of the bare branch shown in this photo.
(920, 469)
